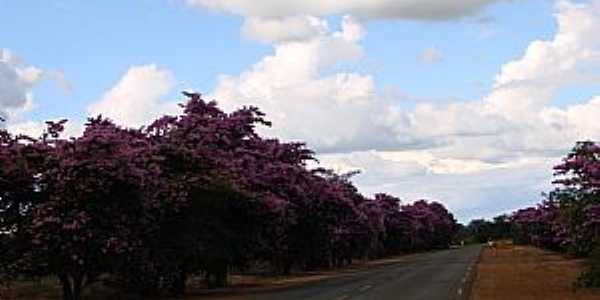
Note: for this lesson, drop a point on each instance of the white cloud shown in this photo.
(498, 149)
(431, 55)
(527, 84)
(346, 112)
(36, 129)
(581, 118)
(136, 99)
(304, 104)
(16, 82)
(504, 143)
(30, 128)
(517, 118)
(480, 192)
(275, 30)
(378, 9)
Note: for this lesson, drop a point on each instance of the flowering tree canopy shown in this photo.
(568, 218)
(197, 193)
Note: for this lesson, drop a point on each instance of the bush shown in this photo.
(591, 277)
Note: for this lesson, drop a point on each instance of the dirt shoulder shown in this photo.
(521, 272)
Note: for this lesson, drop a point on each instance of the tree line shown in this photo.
(197, 194)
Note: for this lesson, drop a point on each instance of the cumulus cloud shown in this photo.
(496, 149)
(527, 84)
(380, 9)
(476, 145)
(16, 82)
(136, 99)
(289, 86)
(73, 128)
(30, 128)
(468, 190)
(517, 118)
(276, 30)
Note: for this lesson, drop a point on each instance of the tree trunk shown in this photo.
(179, 285)
(77, 287)
(216, 276)
(67, 294)
(71, 287)
(221, 278)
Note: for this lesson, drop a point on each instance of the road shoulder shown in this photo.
(524, 273)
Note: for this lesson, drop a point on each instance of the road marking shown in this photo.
(343, 297)
(364, 288)
(460, 291)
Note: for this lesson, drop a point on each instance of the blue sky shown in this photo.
(421, 88)
(94, 43)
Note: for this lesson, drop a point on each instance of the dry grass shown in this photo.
(524, 273)
(36, 290)
(50, 289)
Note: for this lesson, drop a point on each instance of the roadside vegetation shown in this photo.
(146, 211)
(567, 220)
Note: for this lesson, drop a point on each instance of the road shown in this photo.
(429, 276)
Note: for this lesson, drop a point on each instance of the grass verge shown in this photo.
(525, 273)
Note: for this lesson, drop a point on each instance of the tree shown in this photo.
(21, 161)
(199, 193)
(84, 206)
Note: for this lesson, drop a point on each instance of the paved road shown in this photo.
(429, 276)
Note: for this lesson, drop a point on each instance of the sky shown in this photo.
(467, 102)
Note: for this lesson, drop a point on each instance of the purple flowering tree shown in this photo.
(199, 193)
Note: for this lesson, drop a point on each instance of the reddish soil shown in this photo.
(524, 273)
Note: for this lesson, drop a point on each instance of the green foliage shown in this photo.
(591, 277)
(480, 230)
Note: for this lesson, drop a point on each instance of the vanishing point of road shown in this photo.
(439, 275)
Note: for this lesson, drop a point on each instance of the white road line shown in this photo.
(343, 297)
(460, 291)
(364, 288)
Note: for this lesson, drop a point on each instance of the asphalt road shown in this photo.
(429, 276)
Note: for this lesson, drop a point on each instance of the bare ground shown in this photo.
(524, 273)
